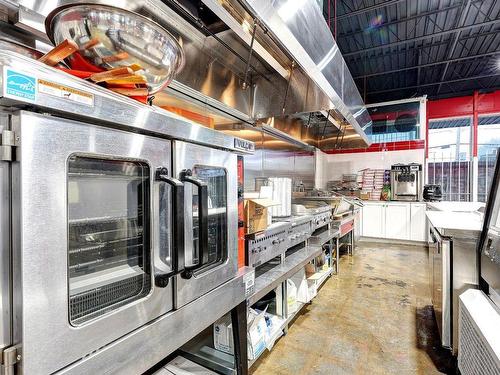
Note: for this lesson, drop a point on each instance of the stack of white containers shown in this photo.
(282, 193)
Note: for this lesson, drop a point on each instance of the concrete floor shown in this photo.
(374, 318)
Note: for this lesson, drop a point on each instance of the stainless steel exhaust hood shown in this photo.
(313, 47)
(248, 61)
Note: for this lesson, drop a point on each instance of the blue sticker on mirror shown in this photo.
(20, 85)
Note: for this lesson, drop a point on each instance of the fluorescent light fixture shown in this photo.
(286, 137)
(288, 10)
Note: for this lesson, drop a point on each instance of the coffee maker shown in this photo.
(406, 182)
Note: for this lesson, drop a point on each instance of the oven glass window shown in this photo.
(216, 179)
(108, 250)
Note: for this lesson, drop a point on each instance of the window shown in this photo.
(488, 134)
(449, 157)
(108, 250)
(393, 123)
(216, 180)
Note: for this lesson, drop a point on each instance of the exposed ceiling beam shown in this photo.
(425, 46)
(456, 36)
(435, 83)
(367, 9)
(427, 65)
(423, 37)
(401, 20)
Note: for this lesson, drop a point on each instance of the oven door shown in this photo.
(92, 240)
(211, 219)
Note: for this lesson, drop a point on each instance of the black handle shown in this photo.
(187, 176)
(434, 239)
(177, 250)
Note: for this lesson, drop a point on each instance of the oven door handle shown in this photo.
(177, 249)
(187, 176)
(433, 236)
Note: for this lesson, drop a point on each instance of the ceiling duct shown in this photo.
(247, 61)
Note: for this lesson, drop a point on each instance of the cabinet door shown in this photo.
(373, 220)
(397, 221)
(418, 230)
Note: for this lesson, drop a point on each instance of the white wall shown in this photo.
(334, 165)
(321, 160)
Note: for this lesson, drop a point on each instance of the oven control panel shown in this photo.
(299, 233)
(321, 219)
(264, 246)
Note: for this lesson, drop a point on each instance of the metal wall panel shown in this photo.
(275, 158)
(5, 257)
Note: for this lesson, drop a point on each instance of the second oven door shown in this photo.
(93, 234)
(211, 219)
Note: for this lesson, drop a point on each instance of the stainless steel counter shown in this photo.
(270, 279)
(455, 206)
(324, 237)
(453, 265)
(456, 224)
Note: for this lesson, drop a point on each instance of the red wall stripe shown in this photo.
(464, 106)
(377, 147)
(474, 105)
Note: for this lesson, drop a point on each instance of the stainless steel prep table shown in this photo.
(453, 264)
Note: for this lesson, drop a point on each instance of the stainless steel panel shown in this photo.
(148, 345)
(186, 156)
(275, 158)
(464, 277)
(314, 51)
(5, 253)
(110, 108)
(268, 244)
(489, 244)
(41, 240)
(446, 250)
(441, 285)
(216, 63)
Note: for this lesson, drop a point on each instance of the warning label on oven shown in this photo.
(65, 92)
(249, 281)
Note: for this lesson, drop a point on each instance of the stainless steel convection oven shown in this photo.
(119, 224)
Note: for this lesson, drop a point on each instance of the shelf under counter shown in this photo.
(276, 275)
(324, 237)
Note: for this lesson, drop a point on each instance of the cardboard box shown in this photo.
(223, 335)
(310, 269)
(256, 215)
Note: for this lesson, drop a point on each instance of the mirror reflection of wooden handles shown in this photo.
(59, 53)
(139, 91)
(112, 74)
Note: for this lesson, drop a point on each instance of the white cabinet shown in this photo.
(418, 222)
(394, 220)
(397, 221)
(373, 220)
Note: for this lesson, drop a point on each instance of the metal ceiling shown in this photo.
(397, 49)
